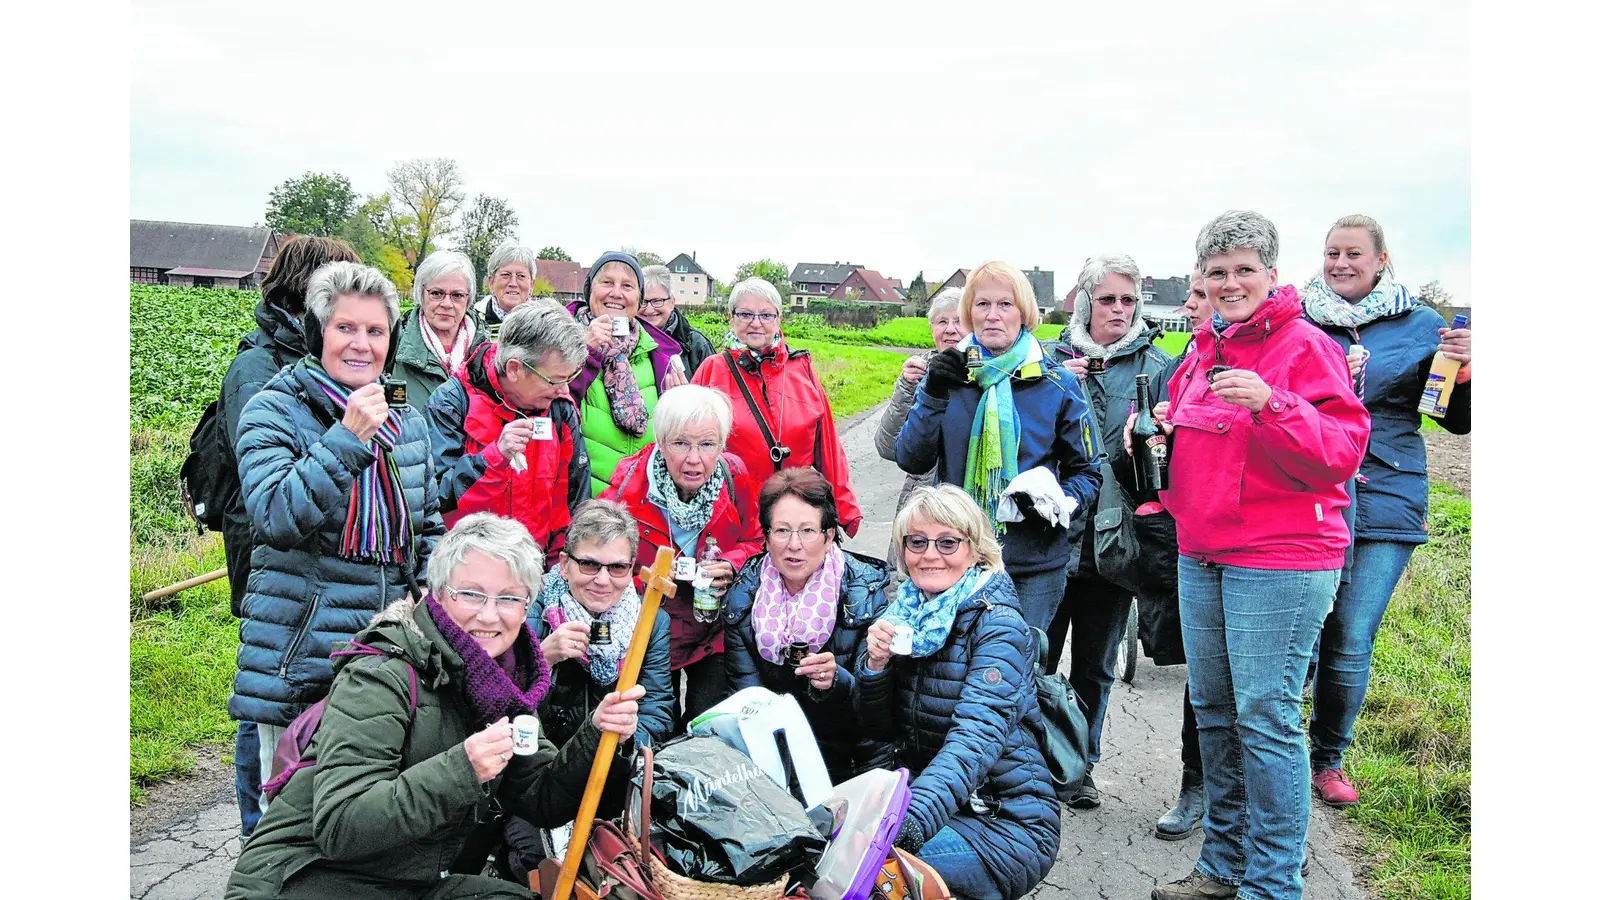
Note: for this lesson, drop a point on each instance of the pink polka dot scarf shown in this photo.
(780, 618)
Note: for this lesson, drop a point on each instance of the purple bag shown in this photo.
(288, 756)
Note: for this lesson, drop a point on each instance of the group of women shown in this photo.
(562, 447)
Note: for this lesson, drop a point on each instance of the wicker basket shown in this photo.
(673, 886)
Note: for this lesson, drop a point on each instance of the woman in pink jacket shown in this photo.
(1264, 431)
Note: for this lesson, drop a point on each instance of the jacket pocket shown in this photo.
(299, 638)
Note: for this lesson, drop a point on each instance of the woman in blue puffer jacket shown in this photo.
(1357, 302)
(340, 491)
(958, 700)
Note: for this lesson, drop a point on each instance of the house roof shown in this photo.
(171, 245)
(874, 288)
(821, 273)
(684, 259)
(1044, 286)
(209, 273)
(564, 277)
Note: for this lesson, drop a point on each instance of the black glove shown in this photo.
(946, 369)
(910, 838)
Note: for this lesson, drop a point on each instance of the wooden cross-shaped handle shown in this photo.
(658, 583)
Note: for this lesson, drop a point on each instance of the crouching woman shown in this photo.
(414, 751)
(960, 705)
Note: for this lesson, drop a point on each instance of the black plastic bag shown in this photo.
(715, 816)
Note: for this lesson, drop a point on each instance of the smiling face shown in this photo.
(495, 625)
(614, 291)
(931, 571)
(600, 591)
(533, 388)
(947, 330)
(511, 284)
(692, 455)
(1238, 283)
(1350, 265)
(748, 325)
(996, 317)
(657, 306)
(355, 340)
(444, 304)
(1113, 302)
(795, 559)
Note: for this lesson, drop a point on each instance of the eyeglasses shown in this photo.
(593, 567)
(659, 301)
(1124, 300)
(553, 382)
(808, 535)
(1220, 276)
(744, 315)
(946, 545)
(436, 295)
(682, 448)
(503, 275)
(474, 600)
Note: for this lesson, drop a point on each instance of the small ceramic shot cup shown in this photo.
(524, 735)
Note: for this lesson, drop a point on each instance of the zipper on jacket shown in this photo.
(299, 635)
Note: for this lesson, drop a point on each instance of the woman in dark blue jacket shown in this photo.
(1390, 340)
(958, 701)
(340, 491)
(1016, 410)
(806, 589)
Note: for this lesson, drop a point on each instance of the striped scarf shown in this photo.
(1387, 298)
(378, 526)
(992, 441)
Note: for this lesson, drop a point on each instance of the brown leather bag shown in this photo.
(905, 877)
(612, 867)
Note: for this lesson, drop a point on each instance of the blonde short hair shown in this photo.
(951, 507)
(1021, 288)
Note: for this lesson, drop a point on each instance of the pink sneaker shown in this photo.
(1334, 787)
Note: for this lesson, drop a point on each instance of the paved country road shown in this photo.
(1110, 852)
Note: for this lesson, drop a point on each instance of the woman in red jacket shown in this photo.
(1264, 431)
(781, 416)
(686, 491)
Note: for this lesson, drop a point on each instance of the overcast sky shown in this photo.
(825, 132)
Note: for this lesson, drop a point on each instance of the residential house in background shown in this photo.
(957, 280)
(690, 283)
(1163, 302)
(867, 286)
(193, 255)
(566, 278)
(815, 281)
(1044, 288)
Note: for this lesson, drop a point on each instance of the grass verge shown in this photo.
(1412, 757)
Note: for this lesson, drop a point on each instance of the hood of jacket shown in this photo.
(1076, 334)
(278, 331)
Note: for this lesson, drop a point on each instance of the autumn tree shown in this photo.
(1435, 297)
(645, 257)
(542, 288)
(429, 193)
(487, 223)
(315, 204)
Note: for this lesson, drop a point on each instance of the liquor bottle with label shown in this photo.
(1149, 444)
(707, 605)
(1441, 379)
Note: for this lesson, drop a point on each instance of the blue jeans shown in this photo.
(1039, 593)
(246, 777)
(957, 862)
(1248, 635)
(1344, 663)
(1096, 611)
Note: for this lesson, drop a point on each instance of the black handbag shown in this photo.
(1064, 739)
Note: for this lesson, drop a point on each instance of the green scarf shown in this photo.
(992, 443)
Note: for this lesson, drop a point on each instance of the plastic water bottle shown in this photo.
(707, 605)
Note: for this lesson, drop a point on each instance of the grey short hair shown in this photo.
(951, 507)
(690, 403)
(754, 287)
(603, 521)
(439, 264)
(496, 537)
(511, 252)
(537, 326)
(657, 276)
(949, 297)
(1238, 229)
(1097, 267)
(338, 279)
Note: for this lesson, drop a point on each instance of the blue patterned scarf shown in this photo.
(602, 661)
(931, 618)
(1323, 306)
(378, 525)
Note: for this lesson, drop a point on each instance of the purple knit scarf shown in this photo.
(491, 690)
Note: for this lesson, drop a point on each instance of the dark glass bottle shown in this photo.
(1149, 444)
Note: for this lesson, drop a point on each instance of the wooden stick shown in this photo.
(658, 582)
(184, 585)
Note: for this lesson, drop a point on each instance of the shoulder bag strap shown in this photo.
(778, 452)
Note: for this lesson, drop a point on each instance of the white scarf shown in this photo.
(457, 354)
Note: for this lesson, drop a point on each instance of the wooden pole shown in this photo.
(658, 582)
(184, 585)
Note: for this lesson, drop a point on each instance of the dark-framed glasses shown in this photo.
(946, 545)
(593, 567)
(437, 295)
(1110, 301)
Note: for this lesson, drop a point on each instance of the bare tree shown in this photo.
(429, 192)
(1435, 297)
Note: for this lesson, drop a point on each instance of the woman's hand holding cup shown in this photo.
(819, 669)
(489, 750)
(569, 640)
(880, 637)
(366, 411)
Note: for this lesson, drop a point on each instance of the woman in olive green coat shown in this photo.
(413, 758)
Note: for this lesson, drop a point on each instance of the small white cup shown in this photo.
(543, 428)
(524, 735)
(619, 326)
(900, 644)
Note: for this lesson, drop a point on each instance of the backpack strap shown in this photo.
(359, 649)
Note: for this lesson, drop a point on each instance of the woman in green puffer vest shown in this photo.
(412, 762)
(617, 390)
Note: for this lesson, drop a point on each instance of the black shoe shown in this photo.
(1184, 817)
(1305, 867)
(1087, 796)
